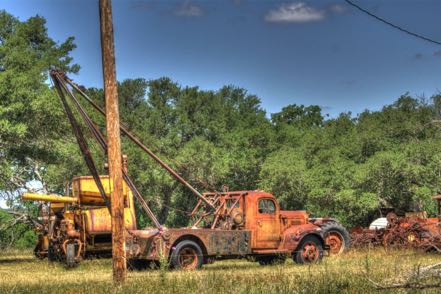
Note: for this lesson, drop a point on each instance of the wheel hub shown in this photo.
(335, 242)
(310, 252)
(188, 258)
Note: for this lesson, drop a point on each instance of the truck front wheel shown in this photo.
(187, 255)
(310, 250)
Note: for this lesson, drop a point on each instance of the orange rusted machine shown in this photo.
(239, 224)
(413, 230)
(78, 225)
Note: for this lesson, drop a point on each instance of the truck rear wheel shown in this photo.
(310, 250)
(187, 255)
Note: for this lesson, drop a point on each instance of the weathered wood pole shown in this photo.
(113, 140)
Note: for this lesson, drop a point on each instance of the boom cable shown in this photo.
(391, 24)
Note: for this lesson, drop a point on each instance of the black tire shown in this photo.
(309, 250)
(70, 256)
(271, 259)
(187, 255)
(39, 253)
(333, 230)
(51, 253)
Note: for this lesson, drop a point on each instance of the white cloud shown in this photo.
(338, 8)
(188, 9)
(295, 12)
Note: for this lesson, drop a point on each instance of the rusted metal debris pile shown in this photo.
(407, 232)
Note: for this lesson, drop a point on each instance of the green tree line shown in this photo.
(347, 167)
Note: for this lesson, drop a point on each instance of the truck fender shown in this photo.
(190, 237)
(292, 236)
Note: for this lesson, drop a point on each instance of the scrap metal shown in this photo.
(405, 232)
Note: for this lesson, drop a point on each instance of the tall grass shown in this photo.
(20, 272)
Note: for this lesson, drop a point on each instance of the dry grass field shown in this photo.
(20, 272)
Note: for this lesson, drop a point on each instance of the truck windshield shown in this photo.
(267, 206)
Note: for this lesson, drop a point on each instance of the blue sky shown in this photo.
(309, 52)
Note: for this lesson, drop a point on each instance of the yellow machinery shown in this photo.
(48, 198)
(79, 225)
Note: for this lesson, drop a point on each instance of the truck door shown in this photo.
(267, 224)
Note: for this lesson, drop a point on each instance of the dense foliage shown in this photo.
(31, 120)
(347, 167)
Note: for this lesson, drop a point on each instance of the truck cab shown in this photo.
(272, 228)
(265, 221)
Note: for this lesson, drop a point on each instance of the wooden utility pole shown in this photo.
(113, 140)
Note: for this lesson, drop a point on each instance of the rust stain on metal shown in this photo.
(406, 232)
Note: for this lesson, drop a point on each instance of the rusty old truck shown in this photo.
(239, 224)
(247, 224)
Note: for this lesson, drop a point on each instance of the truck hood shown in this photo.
(294, 214)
